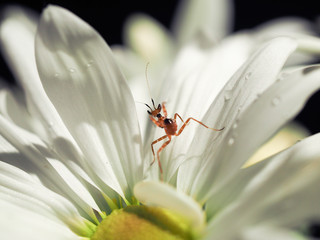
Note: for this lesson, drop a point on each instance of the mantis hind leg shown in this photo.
(154, 142)
(158, 154)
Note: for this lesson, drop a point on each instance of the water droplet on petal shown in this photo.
(71, 70)
(230, 141)
(89, 64)
(235, 125)
(255, 98)
(275, 101)
(282, 76)
(248, 75)
(227, 95)
(56, 75)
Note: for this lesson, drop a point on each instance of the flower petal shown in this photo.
(280, 103)
(39, 160)
(269, 232)
(276, 194)
(210, 17)
(287, 26)
(230, 191)
(20, 189)
(257, 74)
(88, 90)
(164, 195)
(13, 108)
(201, 73)
(20, 223)
(148, 38)
(17, 31)
(286, 137)
(130, 63)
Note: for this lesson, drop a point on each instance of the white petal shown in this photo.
(211, 17)
(20, 188)
(148, 38)
(230, 191)
(88, 90)
(277, 105)
(201, 73)
(20, 223)
(266, 232)
(13, 108)
(257, 74)
(164, 195)
(286, 137)
(9, 154)
(17, 32)
(288, 26)
(38, 161)
(129, 62)
(284, 193)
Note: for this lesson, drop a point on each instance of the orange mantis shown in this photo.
(170, 127)
(168, 124)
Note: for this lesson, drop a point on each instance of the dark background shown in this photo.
(107, 18)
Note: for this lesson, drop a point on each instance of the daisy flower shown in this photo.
(74, 164)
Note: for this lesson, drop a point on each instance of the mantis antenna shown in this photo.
(146, 73)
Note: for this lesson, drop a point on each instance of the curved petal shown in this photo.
(280, 103)
(287, 26)
(149, 39)
(41, 163)
(130, 63)
(284, 193)
(211, 17)
(200, 72)
(286, 137)
(17, 33)
(230, 191)
(88, 90)
(164, 195)
(12, 106)
(20, 189)
(256, 75)
(20, 223)
(267, 232)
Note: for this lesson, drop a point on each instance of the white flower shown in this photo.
(72, 154)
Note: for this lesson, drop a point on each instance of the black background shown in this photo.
(107, 18)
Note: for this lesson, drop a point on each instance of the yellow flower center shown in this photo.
(143, 223)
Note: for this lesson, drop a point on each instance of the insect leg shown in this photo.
(177, 115)
(164, 110)
(154, 121)
(158, 154)
(188, 120)
(154, 142)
